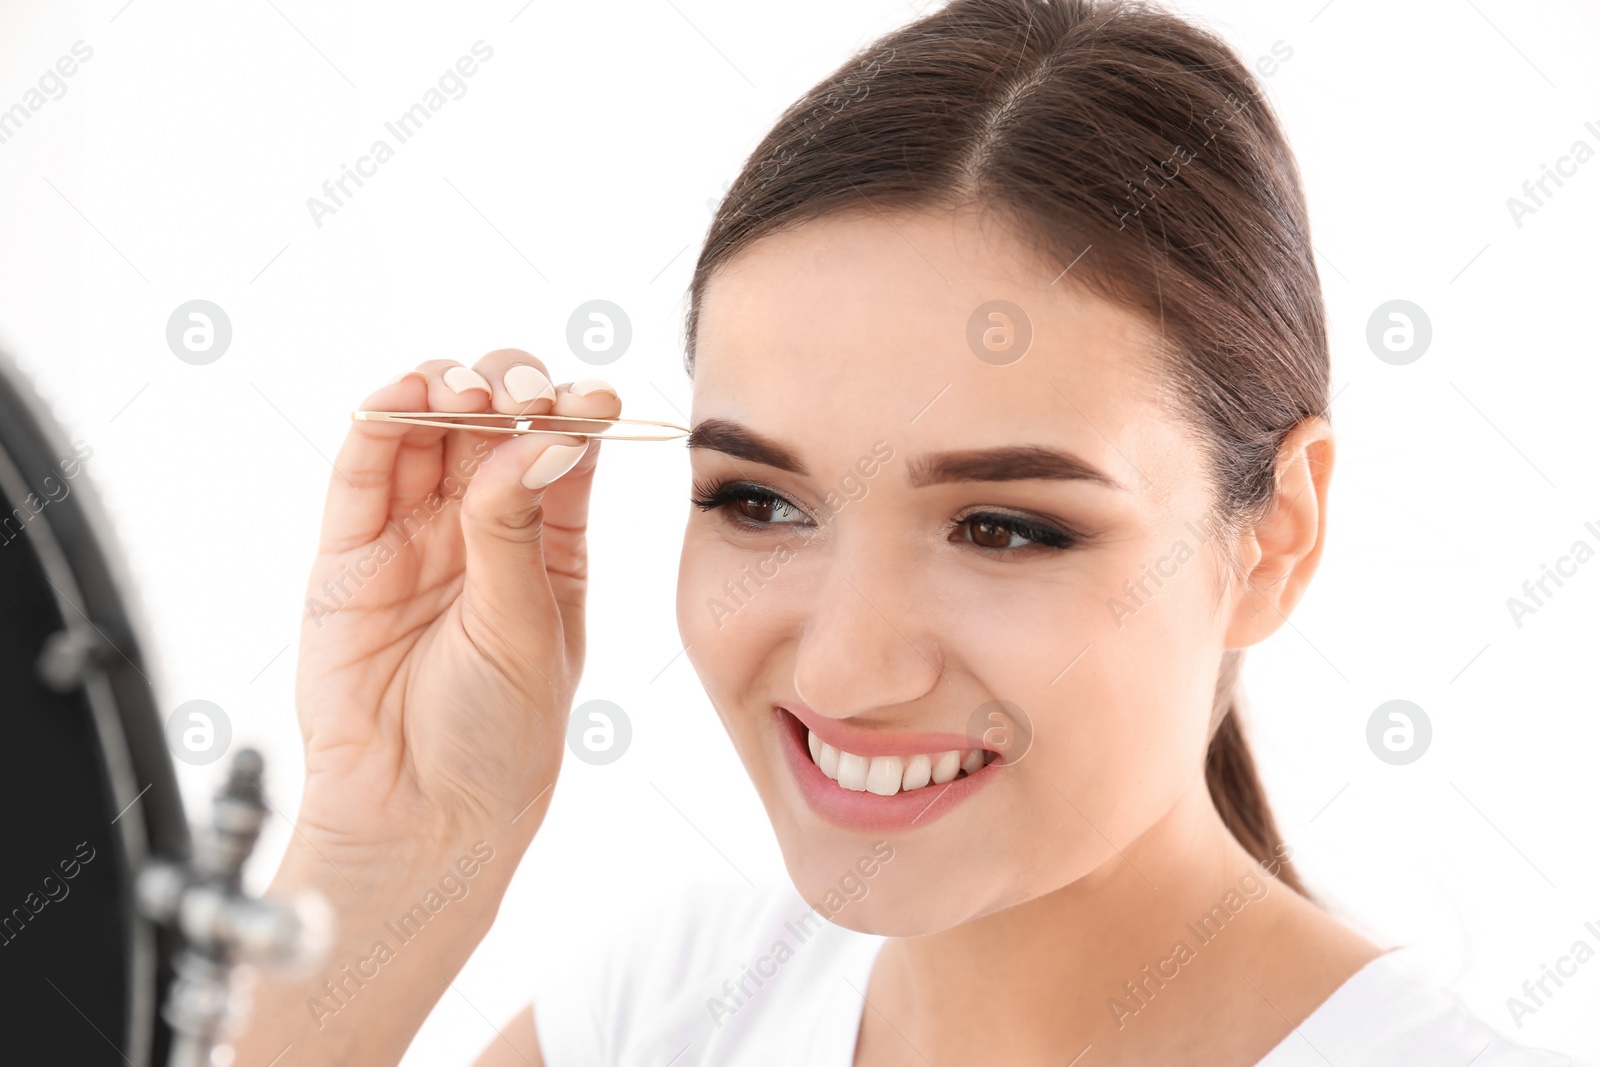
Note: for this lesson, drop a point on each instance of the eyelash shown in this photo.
(1043, 537)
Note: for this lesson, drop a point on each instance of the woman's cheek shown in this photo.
(732, 612)
(1120, 728)
(692, 590)
(706, 572)
(706, 646)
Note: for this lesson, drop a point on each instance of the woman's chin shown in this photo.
(865, 892)
(882, 912)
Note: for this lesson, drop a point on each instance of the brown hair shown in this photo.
(1121, 134)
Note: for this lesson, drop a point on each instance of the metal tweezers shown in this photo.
(495, 422)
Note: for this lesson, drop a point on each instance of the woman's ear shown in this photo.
(1280, 554)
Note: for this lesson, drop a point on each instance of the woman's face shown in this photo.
(884, 577)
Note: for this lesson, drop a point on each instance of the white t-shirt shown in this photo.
(723, 975)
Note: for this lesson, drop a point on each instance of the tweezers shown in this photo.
(495, 422)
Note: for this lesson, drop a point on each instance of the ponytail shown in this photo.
(1231, 777)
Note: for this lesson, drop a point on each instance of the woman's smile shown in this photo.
(875, 781)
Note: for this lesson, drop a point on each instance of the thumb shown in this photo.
(509, 550)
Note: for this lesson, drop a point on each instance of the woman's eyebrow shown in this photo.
(741, 442)
(1004, 463)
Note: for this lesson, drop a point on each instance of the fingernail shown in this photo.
(460, 379)
(590, 385)
(552, 463)
(403, 376)
(525, 383)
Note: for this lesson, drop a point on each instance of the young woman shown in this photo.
(1010, 435)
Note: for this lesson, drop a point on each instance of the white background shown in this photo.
(580, 164)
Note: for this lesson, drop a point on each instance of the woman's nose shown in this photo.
(864, 644)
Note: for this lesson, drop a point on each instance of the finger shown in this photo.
(507, 587)
(521, 382)
(457, 388)
(566, 510)
(566, 502)
(592, 398)
(363, 482)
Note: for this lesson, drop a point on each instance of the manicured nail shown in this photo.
(552, 463)
(460, 379)
(525, 383)
(586, 386)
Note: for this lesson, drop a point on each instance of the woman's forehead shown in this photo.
(914, 294)
(863, 328)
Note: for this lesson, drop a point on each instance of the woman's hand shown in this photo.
(444, 628)
(439, 651)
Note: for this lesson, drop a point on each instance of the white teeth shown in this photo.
(945, 766)
(888, 775)
(919, 771)
(853, 771)
(884, 774)
(829, 761)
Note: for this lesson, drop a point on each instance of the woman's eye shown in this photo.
(1008, 533)
(749, 505)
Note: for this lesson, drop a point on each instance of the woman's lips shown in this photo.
(849, 738)
(857, 810)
